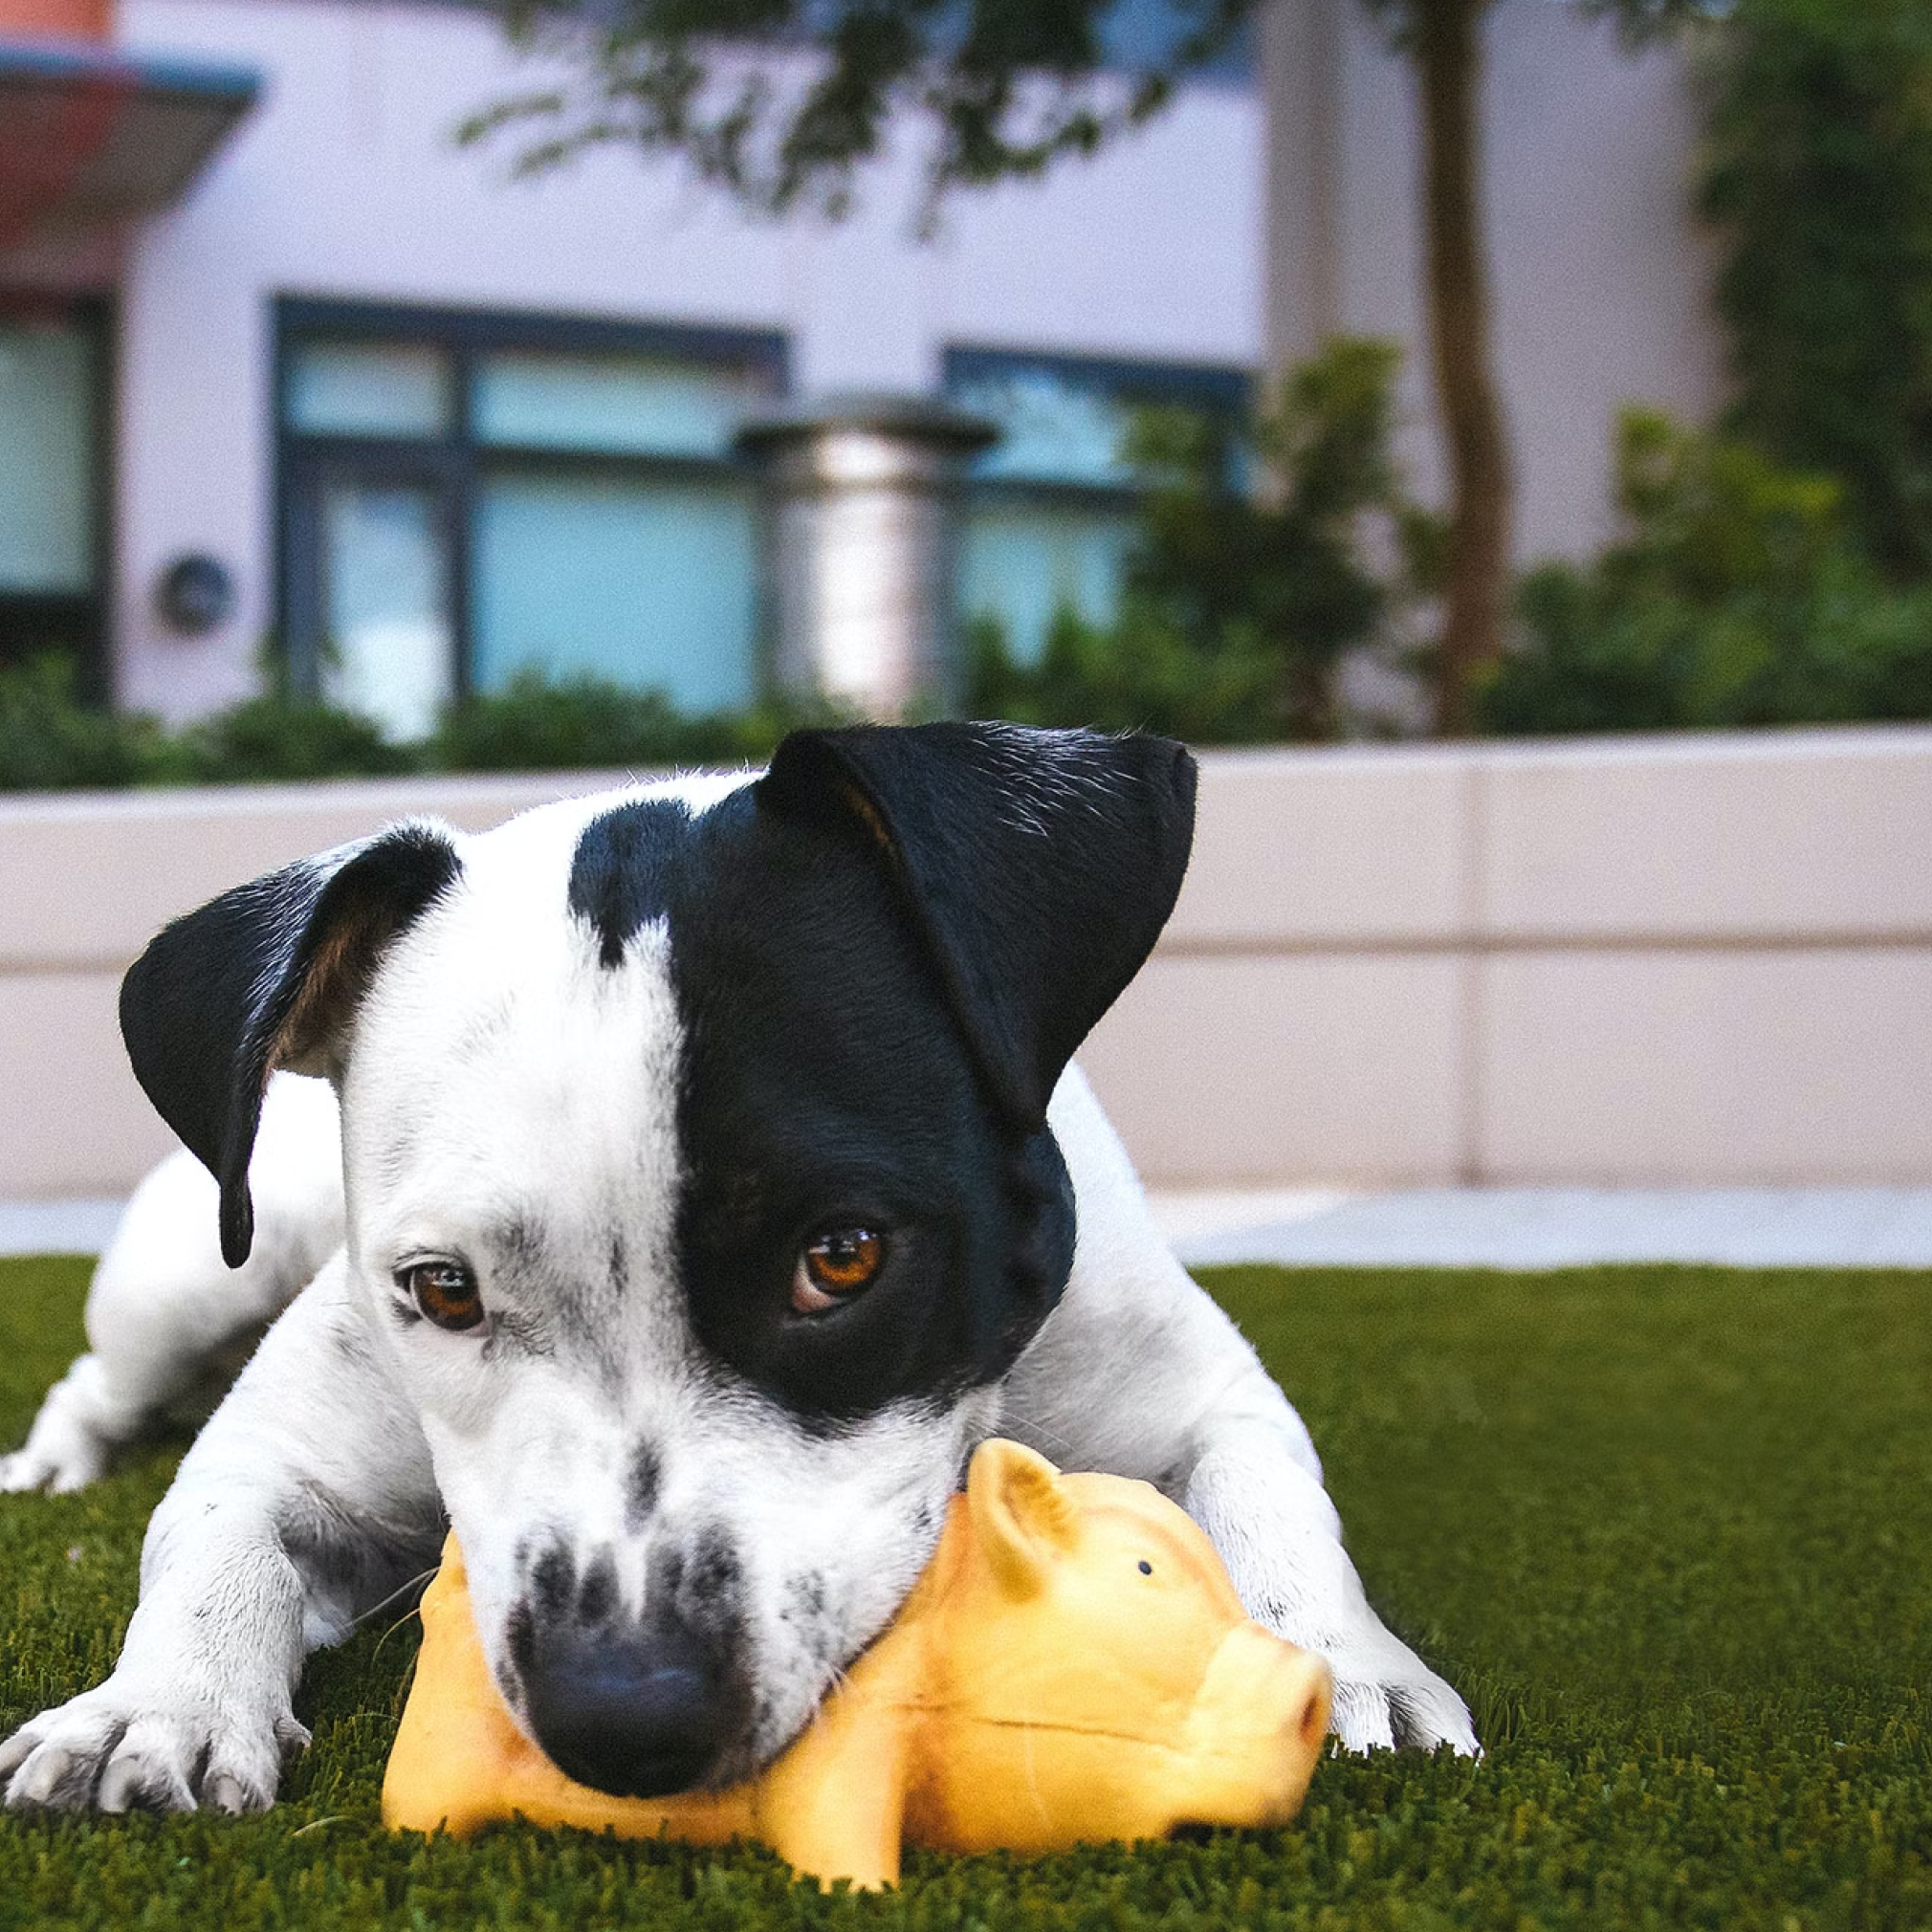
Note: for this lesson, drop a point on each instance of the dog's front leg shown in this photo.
(1138, 1372)
(306, 1498)
(1171, 1393)
(1277, 1532)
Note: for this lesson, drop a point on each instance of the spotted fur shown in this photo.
(620, 1058)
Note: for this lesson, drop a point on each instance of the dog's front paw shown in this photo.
(1395, 1703)
(126, 1747)
(59, 1469)
(69, 1446)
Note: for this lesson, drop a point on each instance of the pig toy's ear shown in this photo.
(1021, 1516)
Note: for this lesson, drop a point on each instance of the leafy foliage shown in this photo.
(1249, 581)
(1736, 595)
(581, 723)
(278, 736)
(1669, 1527)
(1138, 673)
(1820, 178)
(50, 741)
(782, 101)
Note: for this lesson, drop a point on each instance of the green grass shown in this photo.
(1670, 1530)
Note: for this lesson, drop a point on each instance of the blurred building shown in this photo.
(282, 365)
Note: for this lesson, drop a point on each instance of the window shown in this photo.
(52, 384)
(469, 497)
(1050, 513)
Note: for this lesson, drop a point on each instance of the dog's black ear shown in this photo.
(262, 978)
(1038, 866)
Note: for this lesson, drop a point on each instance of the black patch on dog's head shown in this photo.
(883, 954)
(615, 875)
(1036, 868)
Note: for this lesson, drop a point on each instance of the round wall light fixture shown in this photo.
(194, 594)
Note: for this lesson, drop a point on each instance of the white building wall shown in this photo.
(347, 183)
(1601, 274)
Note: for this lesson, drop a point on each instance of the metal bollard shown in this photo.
(862, 538)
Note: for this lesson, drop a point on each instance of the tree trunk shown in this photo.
(1446, 43)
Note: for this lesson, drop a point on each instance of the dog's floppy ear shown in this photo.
(1038, 865)
(262, 978)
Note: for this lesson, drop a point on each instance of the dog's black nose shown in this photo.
(637, 1713)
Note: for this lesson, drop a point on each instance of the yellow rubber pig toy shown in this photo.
(1074, 1664)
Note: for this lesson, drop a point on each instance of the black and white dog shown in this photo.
(710, 1178)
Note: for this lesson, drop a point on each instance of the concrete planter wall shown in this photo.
(1701, 960)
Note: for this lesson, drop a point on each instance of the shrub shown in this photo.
(1137, 674)
(50, 741)
(581, 723)
(1820, 177)
(1249, 581)
(1736, 596)
(280, 736)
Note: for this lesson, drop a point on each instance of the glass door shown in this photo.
(371, 613)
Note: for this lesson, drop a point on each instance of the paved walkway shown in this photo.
(1433, 1227)
(1559, 1227)
(56, 1227)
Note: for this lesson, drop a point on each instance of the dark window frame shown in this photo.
(85, 616)
(456, 463)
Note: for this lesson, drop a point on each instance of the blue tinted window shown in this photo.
(1022, 563)
(367, 389)
(387, 620)
(648, 406)
(1052, 513)
(1054, 427)
(645, 583)
(1144, 34)
(471, 496)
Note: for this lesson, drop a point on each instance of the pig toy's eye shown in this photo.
(1145, 1567)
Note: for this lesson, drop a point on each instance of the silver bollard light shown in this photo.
(862, 545)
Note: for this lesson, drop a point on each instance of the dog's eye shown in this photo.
(835, 1265)
(446, 1292)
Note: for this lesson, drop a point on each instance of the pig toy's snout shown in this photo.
(1315, 1703)
(1256, 1730)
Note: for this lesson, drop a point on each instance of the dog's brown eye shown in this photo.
(446, 1292)
(835, 1265)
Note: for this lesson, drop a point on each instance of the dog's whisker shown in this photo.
(421, 1577)
(1064, 1447)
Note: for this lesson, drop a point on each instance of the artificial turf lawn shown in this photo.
(1669, 1529)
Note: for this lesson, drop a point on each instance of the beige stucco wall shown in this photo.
(1601, 274)
(1696, 960)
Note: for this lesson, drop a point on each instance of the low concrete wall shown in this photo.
(1698, 960)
